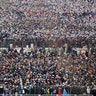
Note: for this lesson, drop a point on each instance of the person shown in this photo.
(88, 90)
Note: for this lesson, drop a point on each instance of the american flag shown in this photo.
(94, 15)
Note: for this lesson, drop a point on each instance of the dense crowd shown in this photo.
(47, 23)
(46, 69)
(21, 19)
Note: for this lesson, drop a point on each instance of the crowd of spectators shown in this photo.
(46, 69)
(48, 19)
(48, 23)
